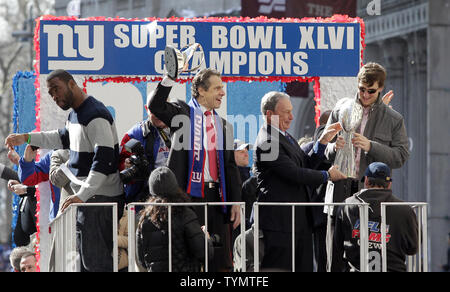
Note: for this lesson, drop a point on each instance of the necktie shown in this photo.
(212, 153)
(290, 139)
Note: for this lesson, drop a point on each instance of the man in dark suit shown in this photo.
(202, 155)
(285, 174)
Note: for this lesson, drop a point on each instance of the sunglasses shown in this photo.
(369, 91)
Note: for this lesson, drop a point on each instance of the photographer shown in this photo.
(154, 136)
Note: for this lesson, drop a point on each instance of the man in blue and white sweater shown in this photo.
(90, 134)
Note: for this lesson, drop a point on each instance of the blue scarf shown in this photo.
(197, 157)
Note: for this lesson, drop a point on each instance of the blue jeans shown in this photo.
(95, 234)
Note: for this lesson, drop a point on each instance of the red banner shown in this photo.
(297, 8)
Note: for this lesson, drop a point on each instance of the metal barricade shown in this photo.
(364, 226)
(418, 262)
(132, 229)
(63, 237)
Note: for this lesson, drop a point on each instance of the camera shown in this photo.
(139, 170)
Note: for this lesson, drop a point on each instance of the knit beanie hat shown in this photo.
(162, 182)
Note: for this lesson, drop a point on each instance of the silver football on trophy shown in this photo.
(177, 61)
(350, 116)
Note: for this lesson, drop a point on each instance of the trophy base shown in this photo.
(171, 61)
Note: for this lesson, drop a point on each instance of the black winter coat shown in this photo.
(401, 238)
(188, 244)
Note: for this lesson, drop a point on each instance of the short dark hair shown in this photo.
(63, 75)
(201, 79)
(371, 73)
(324, 117)
(158, 214)
(378, 182)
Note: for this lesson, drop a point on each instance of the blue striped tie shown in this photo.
(290, 139)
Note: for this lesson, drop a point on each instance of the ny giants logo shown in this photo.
(196, 177)
(79, 57)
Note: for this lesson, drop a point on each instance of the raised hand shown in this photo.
(388, 97)
(29, 154)
(330, 132)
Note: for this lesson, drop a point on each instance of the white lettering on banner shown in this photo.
(237, 37)
(171, 35)
(302, 68)
(139, 36)
(142, 38)
(219, 37)
(123, 40)
(220, 61)
(187, 35)
(250, 49)
(159, 34)
(263, 63)
(259, 37)
(240, 60)
(336, 38)
(96, 54)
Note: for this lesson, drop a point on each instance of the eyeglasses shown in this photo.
(369, 91)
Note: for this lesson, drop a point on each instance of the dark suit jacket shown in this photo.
(284, 176)
(179, 154)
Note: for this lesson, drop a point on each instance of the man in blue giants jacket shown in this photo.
(154, 136)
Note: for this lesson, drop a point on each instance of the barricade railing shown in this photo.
(132, 228)
(64, 242)
(418, 262)
(364, 226)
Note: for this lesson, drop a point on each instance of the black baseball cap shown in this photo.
(378, 170)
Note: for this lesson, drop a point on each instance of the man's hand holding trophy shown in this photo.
(177, 61)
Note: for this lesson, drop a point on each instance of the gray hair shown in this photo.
(16, 256)
(270, 101)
